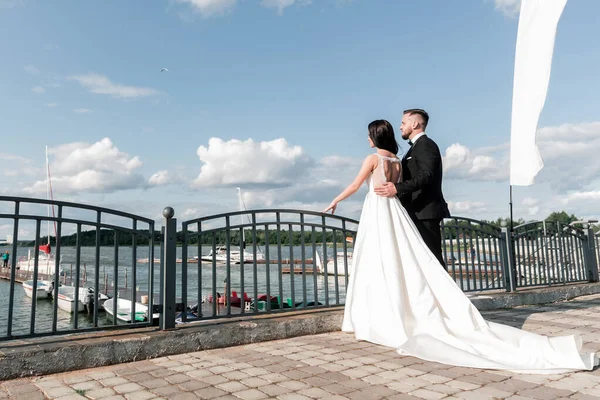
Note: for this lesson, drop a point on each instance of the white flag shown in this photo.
(533, 60)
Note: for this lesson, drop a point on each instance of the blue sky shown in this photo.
(286, 89)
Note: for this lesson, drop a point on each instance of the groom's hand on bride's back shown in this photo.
(388, 189)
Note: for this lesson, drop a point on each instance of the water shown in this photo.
(333, 288)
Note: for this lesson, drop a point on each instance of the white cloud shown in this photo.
(162, 178)
(82, 110)
(17, 166)
(100, 84)
(209, 8)
(94, 168)
(52, 105)
(31, 69)
(509, 8)
(569, 152)
(236, 162)
(457, 207)
(456, 155)
(532, 205)
(460, 162)
(38, 90)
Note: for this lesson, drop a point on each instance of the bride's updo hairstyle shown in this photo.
(381, 133)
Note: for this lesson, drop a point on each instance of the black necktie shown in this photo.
(410, 143)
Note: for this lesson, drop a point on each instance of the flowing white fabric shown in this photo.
(399, 296)
(538, 21)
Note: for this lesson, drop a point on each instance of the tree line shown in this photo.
(294, 237)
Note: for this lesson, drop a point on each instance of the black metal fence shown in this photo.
(60, 278)
(264, 261)
(235, 264)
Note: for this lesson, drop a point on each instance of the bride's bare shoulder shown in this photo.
(371, 160)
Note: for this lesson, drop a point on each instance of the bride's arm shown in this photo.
(367, 167)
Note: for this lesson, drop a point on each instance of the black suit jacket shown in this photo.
(420, 191)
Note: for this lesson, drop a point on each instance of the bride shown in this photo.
(398, 296)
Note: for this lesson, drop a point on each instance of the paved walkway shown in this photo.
(330, 366)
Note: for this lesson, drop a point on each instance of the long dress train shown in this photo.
(399, 296)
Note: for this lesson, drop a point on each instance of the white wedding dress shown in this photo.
(399, 296)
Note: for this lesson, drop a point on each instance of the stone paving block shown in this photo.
(376, 380)
(76, 378)
(411, 372)
(87, 385)
(336, 388)
(214, 379)
(254, 371)
(465, 386)
(251, 394)
(275, 390)
(22, 390)
(183, 368)
(177, 378)
(572, 384)
(296, 374)
(75, 396)
(434, 378)
(168, 391)
(442, 388)
(99, 375)
(100, 393)
(427, 394)
(293, 396)
(127, 388)
(354, 383)
(154, 383)
(59, 391)
(192, 385)
(315, 393)
(583, 396)
(545, 393)
(113, 381)
(404, 396)
(141, 395)
(183, 396)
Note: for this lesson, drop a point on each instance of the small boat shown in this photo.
(43, 289)
(85, 300)
(124, 310)
(220, 256)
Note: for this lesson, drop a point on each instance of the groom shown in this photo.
(420, 191)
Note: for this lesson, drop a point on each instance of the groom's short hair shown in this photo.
(422, 113)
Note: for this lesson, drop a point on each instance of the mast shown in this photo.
(48, 191)
(49, 196)
(243, 243)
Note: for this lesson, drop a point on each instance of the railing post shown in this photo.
(169, 240)
(508, 259)
(592, 264)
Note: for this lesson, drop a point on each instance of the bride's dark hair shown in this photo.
(381, 133)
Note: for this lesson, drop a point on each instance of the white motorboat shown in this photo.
(124, 310)
(43, 289)
(220, 256)
(86, 298)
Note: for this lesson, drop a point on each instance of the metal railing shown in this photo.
(550, 254)
(53, 292)
(263, 261)
(475, 253)
(239, 264)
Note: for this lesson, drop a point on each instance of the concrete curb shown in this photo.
(496, 301)
(50, 355)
